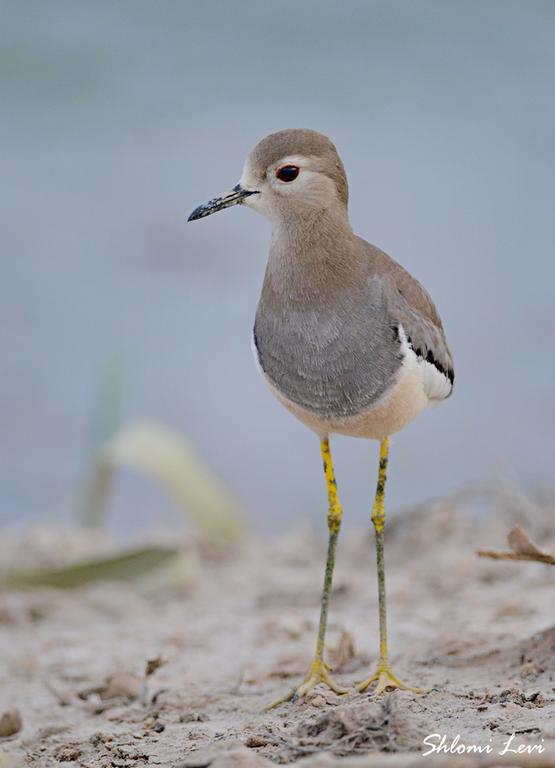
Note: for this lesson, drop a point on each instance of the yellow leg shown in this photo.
(319, 670)
(384, 676)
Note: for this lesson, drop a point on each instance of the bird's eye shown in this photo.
(288, 172)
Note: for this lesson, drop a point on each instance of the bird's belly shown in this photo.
(411, 385)
(396, 408)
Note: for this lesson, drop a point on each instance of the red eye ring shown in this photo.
(288, 172)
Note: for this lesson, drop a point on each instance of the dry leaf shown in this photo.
(343, 652)
(152, 665)
(520, 543)
(522, 548)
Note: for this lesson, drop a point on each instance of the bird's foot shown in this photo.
(387, 680)
(318, 674)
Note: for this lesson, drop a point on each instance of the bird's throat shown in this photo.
(310, 258)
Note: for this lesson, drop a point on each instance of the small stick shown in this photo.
(497, 555)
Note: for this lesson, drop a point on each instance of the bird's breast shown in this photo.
(332, 361)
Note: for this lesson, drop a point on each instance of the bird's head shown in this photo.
(294, 172)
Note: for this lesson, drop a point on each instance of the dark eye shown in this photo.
(288, 172)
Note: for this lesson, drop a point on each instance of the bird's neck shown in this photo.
(311, 256)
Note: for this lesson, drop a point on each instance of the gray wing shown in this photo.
(412, 308)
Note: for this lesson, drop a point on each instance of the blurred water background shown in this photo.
(118, 118)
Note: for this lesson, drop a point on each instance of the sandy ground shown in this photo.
(479, 632)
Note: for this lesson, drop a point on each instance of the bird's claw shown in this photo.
(386, 679)
(318, 674)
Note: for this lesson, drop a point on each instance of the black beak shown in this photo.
(235, 197)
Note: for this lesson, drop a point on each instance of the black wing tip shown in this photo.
(429, 357)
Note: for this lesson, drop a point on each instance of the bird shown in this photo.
(345, 337)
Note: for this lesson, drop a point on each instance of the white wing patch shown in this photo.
(435, 384)
(255, 353)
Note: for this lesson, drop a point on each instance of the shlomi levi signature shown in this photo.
(437, 743)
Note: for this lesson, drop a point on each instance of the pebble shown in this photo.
(10, 722)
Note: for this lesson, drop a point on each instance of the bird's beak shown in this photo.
(235, 197)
